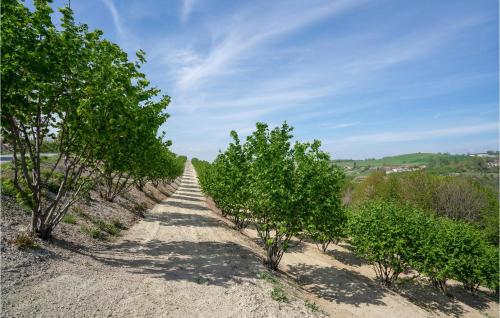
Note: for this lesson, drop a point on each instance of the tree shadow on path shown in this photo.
(338, 285)
(211, 263)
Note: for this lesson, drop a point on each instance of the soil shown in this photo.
(185, 260)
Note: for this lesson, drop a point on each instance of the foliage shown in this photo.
(387, 235)
(319, 186)
(313, 307)
(228, 183)
(139, 209)
(278, 294)
(94, 232)
(397, 237)
(8, 188)
(69, 90)
(282, 190)
(458, 198)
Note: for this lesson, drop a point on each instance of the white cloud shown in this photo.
(403, 136)
(251, 29)
(187, 6)
(114, 14)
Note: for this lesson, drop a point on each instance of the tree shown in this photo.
(230, 169)
(319, 185)
(70, 86)
(282, 190)
(272, 189)
(43, 75)
(387, 234)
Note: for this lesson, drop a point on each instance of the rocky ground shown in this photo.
(179, 261)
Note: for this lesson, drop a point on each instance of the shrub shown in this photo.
(282, 190)
(387, 234)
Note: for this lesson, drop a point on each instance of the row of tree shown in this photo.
(287, 191)
(454, 197)
(400, 238)
(282, 189)
(68, 85)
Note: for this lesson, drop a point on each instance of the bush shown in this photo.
(397, 237)
(387, 234)
(282, 190)
(453, 250)
(454, 197)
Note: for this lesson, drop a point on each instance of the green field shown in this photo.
(406, 159)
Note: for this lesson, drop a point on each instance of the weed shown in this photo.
(69, 218)
(268, 277)
(139, 209)
(8, 188)
(118, 224)
(94, 232)
(278, 294)
(79, 212)
(313, 307)
(25, 241)
(106, 227)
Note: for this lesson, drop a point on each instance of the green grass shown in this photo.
(109, 228)
(69, 218)
(8, 188)
(419, 158)
(268, 277)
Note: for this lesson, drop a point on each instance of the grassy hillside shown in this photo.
(406, 159)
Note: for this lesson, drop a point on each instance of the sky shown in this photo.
(367, 78)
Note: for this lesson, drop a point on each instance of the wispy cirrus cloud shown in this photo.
(338, 69)
(187, 6)
(404, 136)
(252, 29)
(115, 15)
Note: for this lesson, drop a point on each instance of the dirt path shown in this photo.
(183, 260)
(180, 261)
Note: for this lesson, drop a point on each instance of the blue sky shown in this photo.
(367, 78)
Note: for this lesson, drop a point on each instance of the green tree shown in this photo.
(319, 185)
(387, 234)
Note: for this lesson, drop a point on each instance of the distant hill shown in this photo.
(419, 158)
